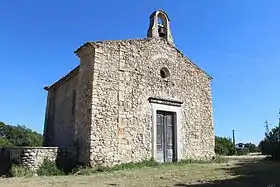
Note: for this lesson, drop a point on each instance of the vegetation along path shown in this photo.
(243, 171)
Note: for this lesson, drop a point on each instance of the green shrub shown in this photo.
(130, 165)
(271, 144)
(49, 168)
(244, 151)
(252, 148)
(133, 165)
(224, 146)
(20, 171)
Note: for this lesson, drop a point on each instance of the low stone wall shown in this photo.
(33, 157)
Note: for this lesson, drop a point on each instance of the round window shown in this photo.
(164, 72)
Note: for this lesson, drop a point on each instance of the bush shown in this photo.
(20, 171)
(252, 148)
(224, 146)
(271, 144)
(49, 168)
(132, 165)
(243, 151)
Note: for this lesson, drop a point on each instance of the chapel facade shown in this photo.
(132, 100)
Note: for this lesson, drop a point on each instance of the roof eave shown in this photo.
(65, 78)
(178, 50)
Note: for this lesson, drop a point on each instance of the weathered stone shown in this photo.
(104, 106)
(32, 158)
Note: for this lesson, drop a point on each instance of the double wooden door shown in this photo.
(165, 138)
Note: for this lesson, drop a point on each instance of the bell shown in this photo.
(161, 31)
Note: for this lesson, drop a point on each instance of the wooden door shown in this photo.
(165, 136)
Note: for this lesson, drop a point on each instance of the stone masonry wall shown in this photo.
(61, 109)
(33, 157)
(126, 74)
(64, 120)
(83, 119)
(49, 119)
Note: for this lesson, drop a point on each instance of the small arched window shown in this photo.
(164, 73)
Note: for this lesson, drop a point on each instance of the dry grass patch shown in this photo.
(234, 173)
(165, 175)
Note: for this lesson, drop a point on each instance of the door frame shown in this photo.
(164, 128)
(176, 109)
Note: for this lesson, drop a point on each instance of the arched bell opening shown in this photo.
(160, 26)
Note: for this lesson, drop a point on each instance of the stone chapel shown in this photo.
(132, 100)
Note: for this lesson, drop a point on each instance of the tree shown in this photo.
(18, 136)
(224, 146)
(5, 143)
(252, 148)
(270, 145)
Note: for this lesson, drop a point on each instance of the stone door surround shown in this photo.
(158, 104)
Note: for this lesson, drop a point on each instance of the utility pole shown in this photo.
(279, 119)
(233, 141)
(266, 128)
(279, 126)
(233, 137)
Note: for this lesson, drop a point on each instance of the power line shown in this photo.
(266, 127)
(279, 119)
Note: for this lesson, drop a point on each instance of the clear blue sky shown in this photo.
(237, 42)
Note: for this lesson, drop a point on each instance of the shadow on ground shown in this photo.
(259, 173)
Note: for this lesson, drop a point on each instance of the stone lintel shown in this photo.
(165, 101)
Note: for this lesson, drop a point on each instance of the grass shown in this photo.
(165, 174)
(18, 171)
(233, 173)
(143, 164)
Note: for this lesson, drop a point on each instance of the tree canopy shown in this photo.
(11, 136)
(252, 148)
(270, 145)
(224, 146)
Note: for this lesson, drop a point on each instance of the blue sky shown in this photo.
(237, 42)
